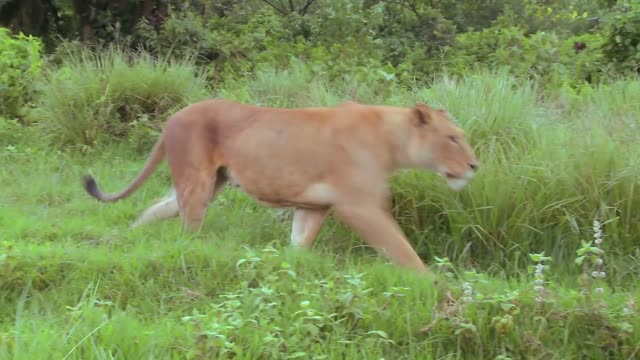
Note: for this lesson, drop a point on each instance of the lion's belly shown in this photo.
(282, 191)
(282, 165)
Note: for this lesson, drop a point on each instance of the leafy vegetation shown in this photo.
(536, 259)
(20, 64)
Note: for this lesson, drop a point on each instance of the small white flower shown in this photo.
(468, 292)
(598, 241)
(539, 282)
(599, 290)
(539, 268)
(467, 299)
(538, 288)
(465, 285)
(602, 274)
(595, 274)
(599, 261)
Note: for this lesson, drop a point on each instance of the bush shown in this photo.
(507, 47)
(20, 64)
(95, 97)
(541, 55)
(338, 36)
(229, 46)
(622, 46)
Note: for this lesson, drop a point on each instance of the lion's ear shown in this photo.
(421, 114)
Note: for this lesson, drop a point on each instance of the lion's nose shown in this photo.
(473, 166)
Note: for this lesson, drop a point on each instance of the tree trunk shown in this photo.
(83, 12)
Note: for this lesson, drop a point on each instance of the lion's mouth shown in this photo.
(450, 176)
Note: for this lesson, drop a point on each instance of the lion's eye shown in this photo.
(453, 139)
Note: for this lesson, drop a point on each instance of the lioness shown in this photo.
(310, 159)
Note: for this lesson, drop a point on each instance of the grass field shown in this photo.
(77, 283)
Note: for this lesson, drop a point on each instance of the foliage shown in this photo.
(232, 46)
(21, 63)
(565, 17)
(107, 95)
(542, 55)
(622, 46)
(412, 39)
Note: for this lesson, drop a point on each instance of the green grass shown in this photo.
(74, 280)
(77, 283)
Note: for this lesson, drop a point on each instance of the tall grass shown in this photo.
(546, 171)
(105, 95)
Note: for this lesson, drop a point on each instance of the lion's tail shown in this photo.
(157, 154)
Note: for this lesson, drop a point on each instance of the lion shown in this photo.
(313, 160)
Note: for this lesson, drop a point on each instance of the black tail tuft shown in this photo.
(91, 187)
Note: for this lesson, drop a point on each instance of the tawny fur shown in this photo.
(310, 159)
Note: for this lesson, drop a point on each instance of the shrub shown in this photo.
(507, 47)
(541, 55)
(20, 64)
(622, 46)
(339, 35)
(97, 96)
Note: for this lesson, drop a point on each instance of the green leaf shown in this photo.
(380, 333)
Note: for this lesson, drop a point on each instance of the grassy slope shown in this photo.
(75, 280)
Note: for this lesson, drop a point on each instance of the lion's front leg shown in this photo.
(381, 231)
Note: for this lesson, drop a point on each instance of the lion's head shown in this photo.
(437, 144)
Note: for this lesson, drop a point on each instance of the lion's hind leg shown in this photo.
(193, 199)
(306, 225)
(196, 187)
(163, 209)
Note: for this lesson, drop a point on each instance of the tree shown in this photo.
(292, 6)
